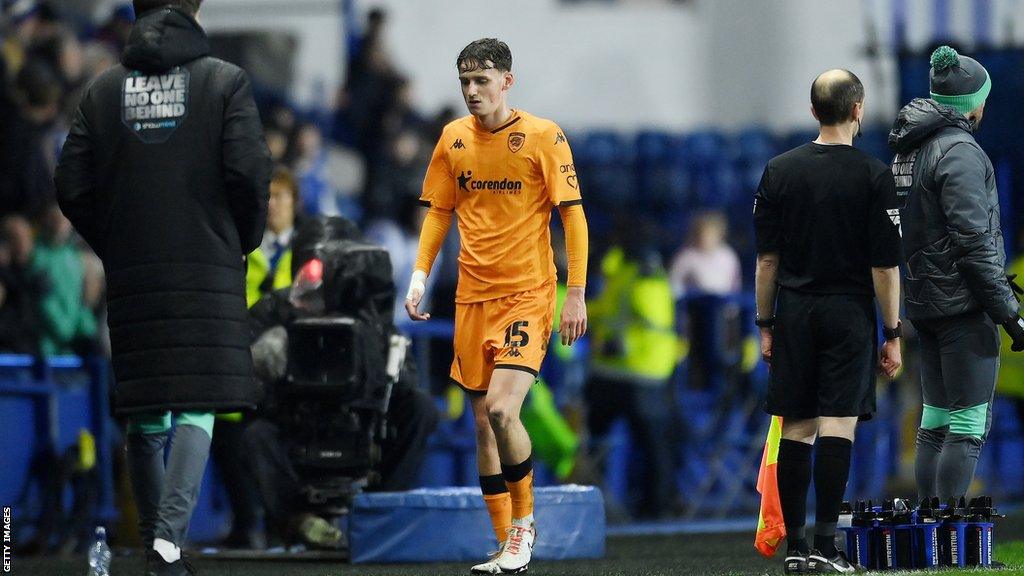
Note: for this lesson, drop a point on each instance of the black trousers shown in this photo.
(277, 481)
(414, 415)
(650, 413)
(229, 456)
(411, 412)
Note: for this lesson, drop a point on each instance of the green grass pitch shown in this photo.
(677, 555)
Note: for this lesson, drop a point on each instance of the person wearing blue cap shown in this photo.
(957, 292)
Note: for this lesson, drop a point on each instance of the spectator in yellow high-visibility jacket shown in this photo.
(634, 347)
(269, 266)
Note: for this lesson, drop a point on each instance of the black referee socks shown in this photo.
(794, 476)
(831, 471)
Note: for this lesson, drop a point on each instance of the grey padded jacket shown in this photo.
(950, 220)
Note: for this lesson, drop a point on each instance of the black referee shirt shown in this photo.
(830, 212)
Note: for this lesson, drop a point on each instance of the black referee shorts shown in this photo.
(823, 356)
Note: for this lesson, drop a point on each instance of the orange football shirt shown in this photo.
(502, 185)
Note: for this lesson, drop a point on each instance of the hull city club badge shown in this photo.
(153, 107)
(515, 141)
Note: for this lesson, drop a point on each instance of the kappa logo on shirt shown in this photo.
(457, 145)
(559, 138)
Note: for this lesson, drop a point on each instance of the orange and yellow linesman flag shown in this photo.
(771, 529)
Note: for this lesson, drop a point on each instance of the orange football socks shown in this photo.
(519, 479)
(499, 504)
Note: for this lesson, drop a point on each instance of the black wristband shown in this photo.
(768, 322)
(893, 333)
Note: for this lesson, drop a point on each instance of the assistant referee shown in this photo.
(827, 228)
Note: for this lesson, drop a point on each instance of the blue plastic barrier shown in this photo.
(44, 402)
(451, 524)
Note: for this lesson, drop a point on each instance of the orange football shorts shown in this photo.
(510, 332)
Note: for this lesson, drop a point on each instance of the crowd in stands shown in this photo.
(51, 285)
(364, 160)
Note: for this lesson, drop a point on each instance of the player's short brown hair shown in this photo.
(142, 6)
(483, 54)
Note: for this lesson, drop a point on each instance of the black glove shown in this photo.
(1015, 328)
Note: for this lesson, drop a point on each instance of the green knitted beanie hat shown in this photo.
(958, 81)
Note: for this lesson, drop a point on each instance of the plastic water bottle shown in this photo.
(842, 527)
(99, 554)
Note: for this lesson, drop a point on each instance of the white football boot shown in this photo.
(491, 566)
(518, 549)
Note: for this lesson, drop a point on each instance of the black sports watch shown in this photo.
(768, 322)
(893, 333)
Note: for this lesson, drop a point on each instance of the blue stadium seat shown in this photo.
(664, 183)
(604, 165)
(799, 138)
(709, 162)
(716, 186)
(755, 146)
(704, 149)
(45, 404)
(602, 147)
(654, 146)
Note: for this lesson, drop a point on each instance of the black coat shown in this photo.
(165, 174)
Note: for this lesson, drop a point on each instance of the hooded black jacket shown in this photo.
(951, 234)
(165, 174)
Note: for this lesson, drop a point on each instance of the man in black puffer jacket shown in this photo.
(165, 173)
(956, 289)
